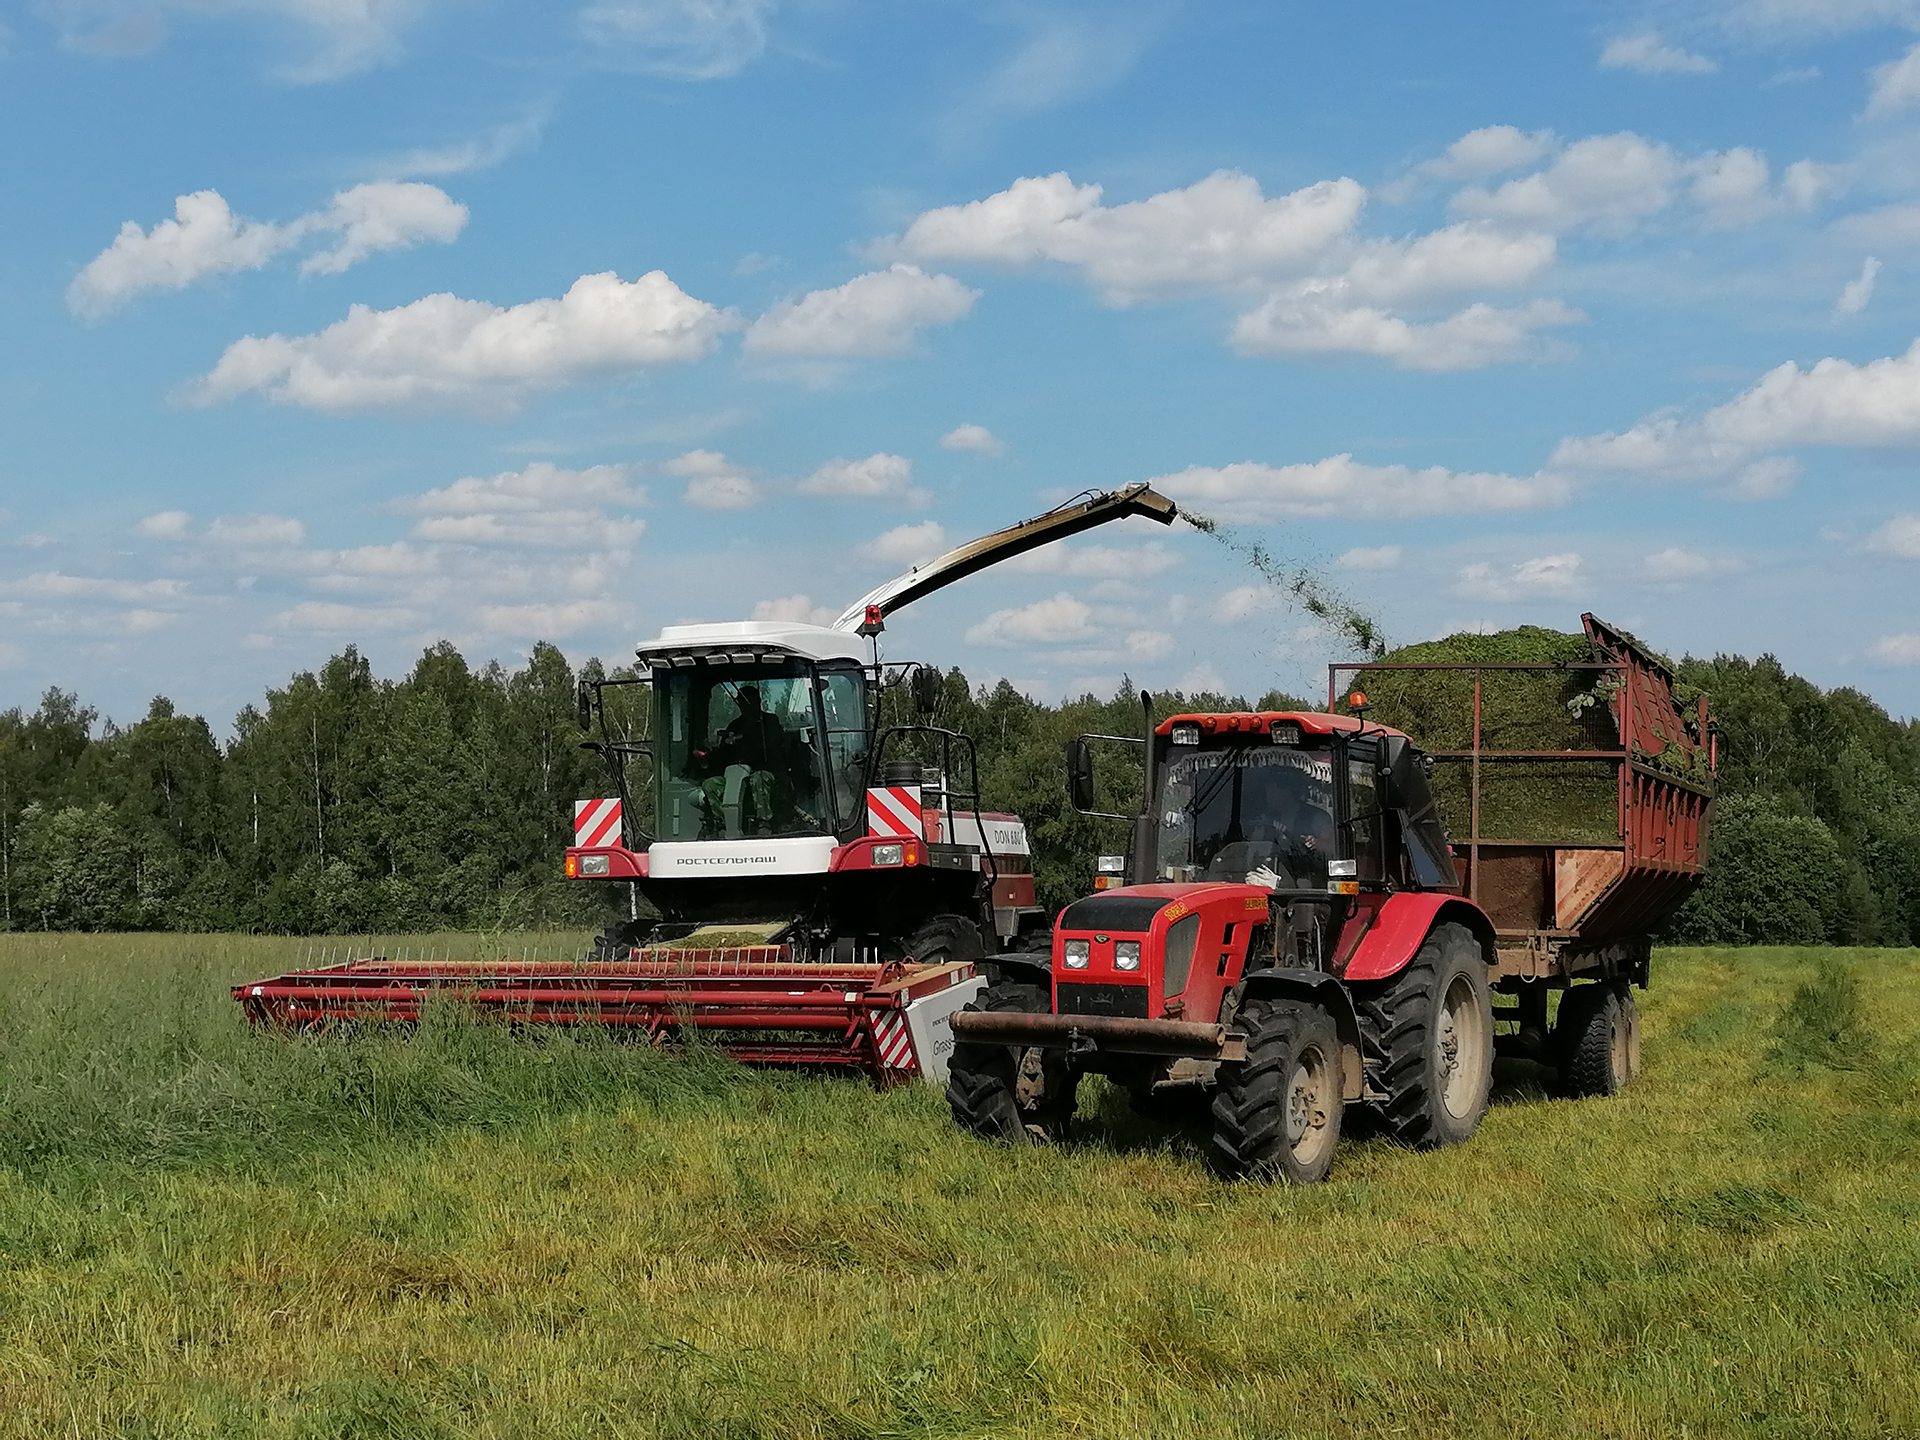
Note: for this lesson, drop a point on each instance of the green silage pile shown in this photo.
(1560, 709)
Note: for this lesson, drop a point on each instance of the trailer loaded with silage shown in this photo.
(1576, 785)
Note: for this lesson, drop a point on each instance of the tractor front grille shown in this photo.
(1124, 1000)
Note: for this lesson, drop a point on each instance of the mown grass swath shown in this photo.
(465, 1232)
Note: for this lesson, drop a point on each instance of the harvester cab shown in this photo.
(1298, 931)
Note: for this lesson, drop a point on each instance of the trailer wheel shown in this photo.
(1278, 1112)
(1428, 1034)
(1598, 1038)
(1010, 1092)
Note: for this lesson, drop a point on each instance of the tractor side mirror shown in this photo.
(926, 685)
(584, 702)
(1080, 774)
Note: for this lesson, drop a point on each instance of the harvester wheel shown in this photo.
(1278, 1112)
(1428, 1038)
(944, 938)
(1007, 1092)
(1598, 1038)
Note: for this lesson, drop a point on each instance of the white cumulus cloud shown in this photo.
(909, 544)
(1219, 232)
(878, 477)
(542, 505)
(1896, 85)
(1647, 53)
(206, 238)
(795, 609)
(1371, 557)
(1674, 566)
(1542, 575)
(714, 482)
(443, 350)
(166, 525)
(1317, 323)
(1900, 537)
(1897, 650)
(1254, 493)
(881, 313)
(1095, 562)
(1489, 150)
(1061, 619)
(1834, 402)
(976, 438)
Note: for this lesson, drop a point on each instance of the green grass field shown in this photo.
(205, 1232)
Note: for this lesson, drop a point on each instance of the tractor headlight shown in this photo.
(1075, 954)
(596, 865)
(1126, 955)
(1186, 733)
(889, 854)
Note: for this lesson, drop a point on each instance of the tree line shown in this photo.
(346, 803)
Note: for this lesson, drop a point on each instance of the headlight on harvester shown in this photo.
(1075, 954)
(596, 864)
(889, 854)
(1126, 955)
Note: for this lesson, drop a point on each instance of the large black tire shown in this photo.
(1428, 1038)
(944, 938)
(1006, 1092)
(1597, 1038)
(1277, 1114)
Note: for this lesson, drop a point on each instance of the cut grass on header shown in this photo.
(209, 1233)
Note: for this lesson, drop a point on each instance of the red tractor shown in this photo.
(1297, 937)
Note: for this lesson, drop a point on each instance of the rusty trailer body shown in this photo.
(887, 1020)
(1574, 905)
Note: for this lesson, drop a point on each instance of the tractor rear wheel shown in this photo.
(1010, 1092)
(1277, 1115)
(1428, 1038)
(1597, 1037)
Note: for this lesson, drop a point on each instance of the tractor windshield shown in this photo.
(1227, 811)
(757, 750)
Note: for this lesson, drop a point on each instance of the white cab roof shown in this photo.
(813, 642)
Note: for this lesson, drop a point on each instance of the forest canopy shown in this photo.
(345, 803)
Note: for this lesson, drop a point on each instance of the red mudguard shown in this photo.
(1402, 924)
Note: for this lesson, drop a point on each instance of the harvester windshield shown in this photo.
(1227, 811)
(777, 748)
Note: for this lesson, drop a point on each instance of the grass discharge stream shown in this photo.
(1303, 585)
(210, 1233)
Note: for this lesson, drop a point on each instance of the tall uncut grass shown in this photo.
(467, 1232)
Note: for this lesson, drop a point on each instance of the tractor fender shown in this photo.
(1401, 927)
(1316, 987)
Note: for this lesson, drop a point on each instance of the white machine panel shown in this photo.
(930, 1023)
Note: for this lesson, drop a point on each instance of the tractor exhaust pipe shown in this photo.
(1145, 830)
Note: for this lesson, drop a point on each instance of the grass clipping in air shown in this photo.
(1300, 584)
(1559, 709)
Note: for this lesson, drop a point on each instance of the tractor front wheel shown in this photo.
(1019, 1094)
(1428, 1033)
(1597, 1038)
(1278, 1112)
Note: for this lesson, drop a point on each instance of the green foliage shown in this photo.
(1774, 878)
(443, 798)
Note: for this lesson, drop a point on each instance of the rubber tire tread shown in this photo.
(1250, 1110)
(1587, 1069)
(981, 1079)
(1397, 1016)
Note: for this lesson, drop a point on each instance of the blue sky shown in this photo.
(382, 321)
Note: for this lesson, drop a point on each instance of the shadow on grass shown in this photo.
(1107, 1120)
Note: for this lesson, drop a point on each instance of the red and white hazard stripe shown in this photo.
(894, 1043)
(894, 811)
(596, 822)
